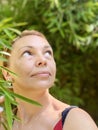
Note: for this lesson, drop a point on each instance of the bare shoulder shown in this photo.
(58, 104)
(79, 119)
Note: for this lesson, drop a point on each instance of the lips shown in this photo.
(42, 74)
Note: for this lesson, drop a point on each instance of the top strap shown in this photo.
(65, 113)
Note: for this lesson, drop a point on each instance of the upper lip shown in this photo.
(41, 72)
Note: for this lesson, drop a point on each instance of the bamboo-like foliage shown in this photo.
(71, 27)
(8, 32)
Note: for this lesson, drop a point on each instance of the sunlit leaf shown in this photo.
(8, 111)
(2, 67)
(25, 99)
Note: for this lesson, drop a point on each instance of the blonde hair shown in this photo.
(28, 32)
(24, 33)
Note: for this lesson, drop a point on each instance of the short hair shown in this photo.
(28, 32)
(22, 34)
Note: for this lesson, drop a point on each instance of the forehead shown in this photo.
(30, 40)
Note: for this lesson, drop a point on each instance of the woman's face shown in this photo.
(32, 60)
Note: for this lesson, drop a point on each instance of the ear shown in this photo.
(6, 75)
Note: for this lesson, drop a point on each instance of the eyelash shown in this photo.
(49, 52)
(30, 53)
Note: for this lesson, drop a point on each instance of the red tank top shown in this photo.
(60, 123)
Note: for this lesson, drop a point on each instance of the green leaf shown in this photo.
(5, 21)
(15, 30)
(5, 53)
(8, 111)
(5, 43)
(25, 99)
(8, 33)
(8, 95)
(2, 59)
(8, 70)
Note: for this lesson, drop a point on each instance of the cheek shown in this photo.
(53, 66)
(21, 67)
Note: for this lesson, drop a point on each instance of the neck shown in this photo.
(27, 110)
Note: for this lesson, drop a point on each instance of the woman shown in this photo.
(32, 60)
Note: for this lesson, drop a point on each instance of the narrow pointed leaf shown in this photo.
(25, 99)
(8, 111)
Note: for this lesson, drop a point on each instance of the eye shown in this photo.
(48, 53)
(27, 53)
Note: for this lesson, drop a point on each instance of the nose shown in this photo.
(41, 61)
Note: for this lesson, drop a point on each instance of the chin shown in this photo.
(43, 85)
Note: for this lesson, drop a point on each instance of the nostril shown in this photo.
(41, 63)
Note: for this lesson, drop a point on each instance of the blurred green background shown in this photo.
(71, 27)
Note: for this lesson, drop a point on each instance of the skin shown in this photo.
(32, 60)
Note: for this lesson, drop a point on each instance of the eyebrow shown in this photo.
(45, 47)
